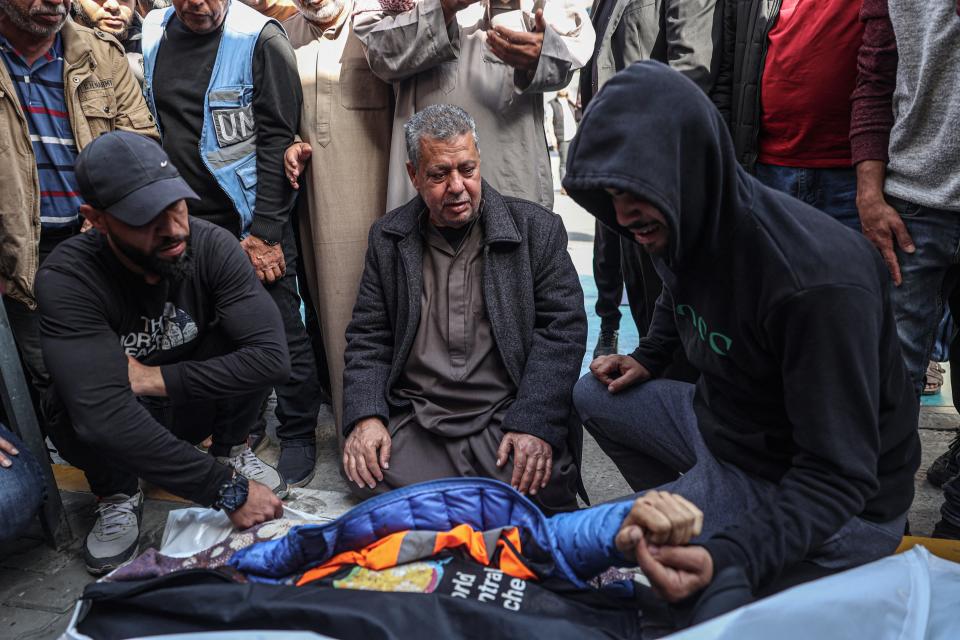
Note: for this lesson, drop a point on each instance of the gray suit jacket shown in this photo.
(533, 300)
(681, 33)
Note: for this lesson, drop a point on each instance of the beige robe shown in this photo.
(346, 118)
(430, 62)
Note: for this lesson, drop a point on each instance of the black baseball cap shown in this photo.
(130, 177)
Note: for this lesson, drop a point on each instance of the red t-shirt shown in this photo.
(810, 72)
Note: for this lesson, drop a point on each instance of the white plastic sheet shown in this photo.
(911, 596)
(191, 530)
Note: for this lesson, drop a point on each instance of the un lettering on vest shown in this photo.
(719, 343)
(234, 125)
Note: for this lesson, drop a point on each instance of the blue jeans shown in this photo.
(21, 489)
(655, 423)
(833, 191)
(918, 302)
(931, 276)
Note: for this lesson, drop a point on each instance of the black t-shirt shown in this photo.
(95, 312)
(182, 74)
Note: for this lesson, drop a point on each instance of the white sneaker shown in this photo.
(115, 537)
(246, 463)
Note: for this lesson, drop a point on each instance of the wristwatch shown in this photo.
(233, 494)
(269, 243)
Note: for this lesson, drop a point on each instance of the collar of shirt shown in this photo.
(55, 52)
(447, 241)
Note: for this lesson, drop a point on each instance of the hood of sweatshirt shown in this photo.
(654, 133)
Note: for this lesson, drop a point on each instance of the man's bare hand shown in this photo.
(532, 461)
(618, 372)
(519, 49)
(361, 461)
(881, 223)
(267, 260)
(145, 380)
(660, 518)
(261, 505)
(451, 7)
(675, 573)
(295, 161)
(6, 447)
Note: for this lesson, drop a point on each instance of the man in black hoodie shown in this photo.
(771, 300)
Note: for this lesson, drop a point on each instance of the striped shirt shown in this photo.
(40, 89)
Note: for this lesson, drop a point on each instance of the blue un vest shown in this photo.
(228, 140)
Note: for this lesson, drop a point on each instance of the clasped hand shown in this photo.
(518, 49)
(267, 260)
(656, 534)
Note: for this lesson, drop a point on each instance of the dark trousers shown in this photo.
(228, 420)
(652, 434)
(562, 149)
(311, 319)
(299, 400)
(950, 510)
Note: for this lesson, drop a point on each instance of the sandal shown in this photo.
(933, 380)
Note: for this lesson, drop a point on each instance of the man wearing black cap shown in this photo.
(156, 333)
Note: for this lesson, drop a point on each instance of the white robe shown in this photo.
(430, 62)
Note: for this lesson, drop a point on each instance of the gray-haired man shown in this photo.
(474, 377)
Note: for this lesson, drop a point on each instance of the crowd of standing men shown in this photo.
(283, 144)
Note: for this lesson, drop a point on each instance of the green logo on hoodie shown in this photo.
(718, 342)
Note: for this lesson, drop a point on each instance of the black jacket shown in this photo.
(532, 296)
(94, 313)
(784, 311)
(746, 27)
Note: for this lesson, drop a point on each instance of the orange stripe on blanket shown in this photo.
(382, 554)
(510, 564)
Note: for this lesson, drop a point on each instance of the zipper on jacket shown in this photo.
(771, 21)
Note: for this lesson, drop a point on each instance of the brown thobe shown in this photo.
(458, 387)
(347, 116)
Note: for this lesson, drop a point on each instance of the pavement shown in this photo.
(39, 585)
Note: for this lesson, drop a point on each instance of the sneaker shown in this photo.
(115, 537)
(606, 343)
(298, 461)
(947, 465)
(246, 463)
(945, 530)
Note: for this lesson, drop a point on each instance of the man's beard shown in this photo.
(21, 19)
(324, 14)
(175, 270)
(78, 15)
